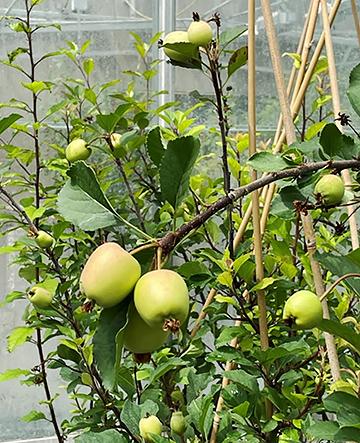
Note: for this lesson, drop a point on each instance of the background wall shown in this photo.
(108, 26)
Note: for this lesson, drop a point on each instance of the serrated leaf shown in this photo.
(154, 145)
(18, 337)
(6, 122)
(237, 60)
(339, 330)
(108, 341)
(82, 202)
(323, 430)
(337, 145)
(353, 91)
(264, 283)
(10, 374)
(176, 166)
(131, 415)
(242, 378)
(267, 162)
(33, 416)
(126, 381)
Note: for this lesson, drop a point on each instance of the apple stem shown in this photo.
(333, 286)
(144, 247)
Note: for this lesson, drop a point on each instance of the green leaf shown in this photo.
(267, 162)
(237, 60)
(155, 146)
(18, 337)
(337, 145)
(6, 122)
(264, 283)
(176, 166)
(10, 374)
(323, 430)
(108, 341)
(82, 202)
(131, 415)
(36, 87)
(229, 35)
(353, 91)
(314, 129)
(343, 264)
(88, 65)
(242, 378)
(348, 434)
(108, 436)
(67, 353)
(126, 381)
(339, 330)
(33, 416)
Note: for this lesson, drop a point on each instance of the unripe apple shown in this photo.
(304, 308)
(115, 140)
(330, 189)
(40, 297)
(200, 33)
(178, 423)
(179, 37)
(109, 275)
(162, 299)
(139, 337)
(150, 425)
(44, 240)
(77, 150)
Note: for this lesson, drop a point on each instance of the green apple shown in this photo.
(187, 47)
(40, 297)
(200, 33)
(178, 423)
(115, 140)
(44, 240)
(148, 426)
(109, 275)
(304, 309)
(162, 299)
(329, 190)
(139, 337)
(77, 150)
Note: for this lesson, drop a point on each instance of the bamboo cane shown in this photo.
(355, 14)
(320, 289)
(296, 104)
(336, 108)
(278, 71)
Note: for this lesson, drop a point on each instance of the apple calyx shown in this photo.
(142, 358)
(171, 325)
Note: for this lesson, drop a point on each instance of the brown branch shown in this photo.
(171, 239)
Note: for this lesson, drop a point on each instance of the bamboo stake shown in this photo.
(293, 69)
(336, 108)
(320, 290)
(355, 14)
(296, 104)
(225, 381)
(278, 72)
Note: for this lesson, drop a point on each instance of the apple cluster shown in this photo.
(182, 46)
(160, 298)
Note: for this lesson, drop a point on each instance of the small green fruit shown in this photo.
(162, 299)
(330, 189)
(304, 307)
(40, 297)
(200, 33)
(150, 425)
(115, 140)
(179, 37)
(109, 275)
(178, 423)
(44, 240)
(139, 337)
(77, 150)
